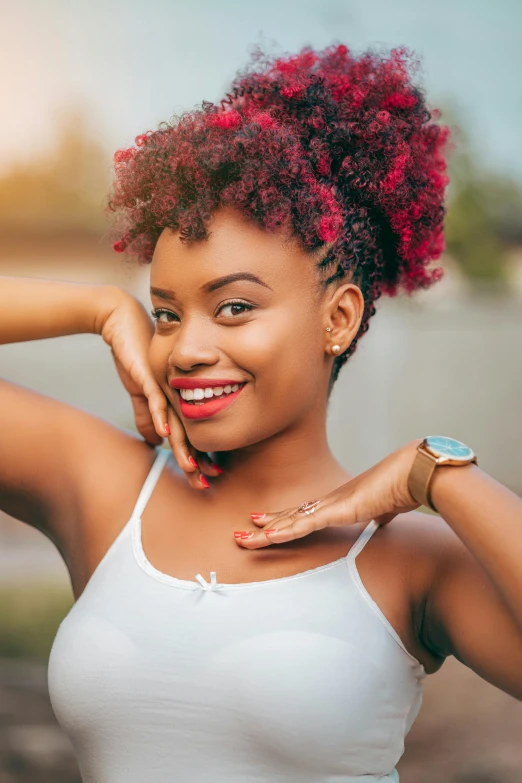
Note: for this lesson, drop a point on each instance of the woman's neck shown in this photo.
(282, 469)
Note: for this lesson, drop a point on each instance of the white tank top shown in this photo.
(164, 680)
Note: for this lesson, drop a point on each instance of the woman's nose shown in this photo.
(192, 345)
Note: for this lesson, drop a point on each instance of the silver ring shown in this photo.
(308, 507)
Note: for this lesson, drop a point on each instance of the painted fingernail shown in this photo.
(272, 530)
(238, 533)
(204, 481)
(216, 467)
(257, 516)
(193, 462)
(246, 535)
(167, 429)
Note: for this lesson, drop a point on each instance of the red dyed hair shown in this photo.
(342, 148)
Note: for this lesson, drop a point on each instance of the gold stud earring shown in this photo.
(336, 348)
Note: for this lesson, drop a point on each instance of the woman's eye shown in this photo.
(232, 309)
(163, 316)
(228, 310)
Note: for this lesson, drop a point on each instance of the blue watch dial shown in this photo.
(448, 447)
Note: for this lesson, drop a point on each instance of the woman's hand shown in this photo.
(128, 331)
(379, 493)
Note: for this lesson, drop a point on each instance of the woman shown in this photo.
(215, 636)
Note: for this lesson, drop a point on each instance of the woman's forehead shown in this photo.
(233, 245)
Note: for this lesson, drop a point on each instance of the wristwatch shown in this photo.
(435, 450)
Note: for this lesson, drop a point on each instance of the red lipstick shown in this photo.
(209, 406)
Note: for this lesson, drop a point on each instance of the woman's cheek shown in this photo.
(264, 345)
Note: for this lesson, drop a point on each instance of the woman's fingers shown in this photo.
(286, 526)
(157, 403)
(148, 401)
(262, 519)
(185, 454)
(177, 438)
(206, 464)
(137, 389)
(143, 419)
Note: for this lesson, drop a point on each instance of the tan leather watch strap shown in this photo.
(420, 476)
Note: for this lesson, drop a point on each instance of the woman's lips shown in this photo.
(202, 409)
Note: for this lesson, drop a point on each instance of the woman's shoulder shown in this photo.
(111, 467)
(419, 540)
(111, 462)
(425, 536)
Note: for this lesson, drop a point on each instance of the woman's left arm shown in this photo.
(474, 606)
(473, 609)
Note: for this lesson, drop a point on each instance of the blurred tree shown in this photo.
(484, 215)
(65, 189)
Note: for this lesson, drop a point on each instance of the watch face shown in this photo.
(450, 448)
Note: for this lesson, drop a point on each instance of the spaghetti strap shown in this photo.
(363, 539)
(150, 482)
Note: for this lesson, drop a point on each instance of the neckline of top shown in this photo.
(189, 584)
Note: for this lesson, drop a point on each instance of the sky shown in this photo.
(131, 64)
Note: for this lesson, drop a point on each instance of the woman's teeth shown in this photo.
(195, 395)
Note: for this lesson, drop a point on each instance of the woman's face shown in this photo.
(241, 307)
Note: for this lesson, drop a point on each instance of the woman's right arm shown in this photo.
(55, 457)
(52, 454)
(33, 309)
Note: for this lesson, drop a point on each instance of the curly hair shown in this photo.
(342, 148)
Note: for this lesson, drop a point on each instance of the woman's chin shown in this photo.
(224, 441)
(215, 443)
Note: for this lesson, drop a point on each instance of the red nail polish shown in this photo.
(246, 535)
(237, 533)
(257, 516)
(167, 429)
(204, 481)
(193, 462)
(273, 530)
(216, 467)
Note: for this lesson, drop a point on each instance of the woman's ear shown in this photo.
(344, 315)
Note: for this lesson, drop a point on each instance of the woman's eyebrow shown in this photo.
(162, 293)
(219, 282)
(212, 285)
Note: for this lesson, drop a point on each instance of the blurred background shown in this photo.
(81, 79)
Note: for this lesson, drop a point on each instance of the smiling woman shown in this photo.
(271, 224)
(229, 330)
